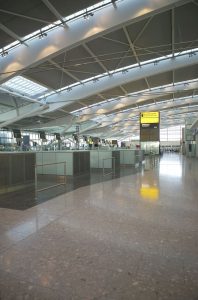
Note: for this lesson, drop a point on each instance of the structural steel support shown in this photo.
(33, 112)
(61, 38)
(138, 98)
(80, 92)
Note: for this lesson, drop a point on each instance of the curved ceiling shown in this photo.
(101, 69)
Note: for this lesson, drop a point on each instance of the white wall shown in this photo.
(170, 143)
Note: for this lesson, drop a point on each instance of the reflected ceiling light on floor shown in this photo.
(42, 35)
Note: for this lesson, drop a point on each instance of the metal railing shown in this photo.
(112, 168)
(51, 186)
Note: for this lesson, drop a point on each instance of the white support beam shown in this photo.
(173, 30)
(142, 30)
(11, 33)
(67, 73)
(131, 44)
(104, 20)
(24, 16)
(109, 82)
(138, 98)
(53, 10)
(117, 117)
(87, 128)
(66, 122)
(123, 89)
(63, 70)
(113, 40)
(16, 105)
(101, 96)
(19, 116)
(95, 57)
(147, 83)
(19, 96)
(194, 125)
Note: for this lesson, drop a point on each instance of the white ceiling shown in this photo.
(144, 59)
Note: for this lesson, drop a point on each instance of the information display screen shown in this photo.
(114, 142)
(149, 117)
(42, 135)
(57, 135)
(149, 132)
(17, 133)
(149, 126)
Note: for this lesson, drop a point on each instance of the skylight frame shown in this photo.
(24, 86)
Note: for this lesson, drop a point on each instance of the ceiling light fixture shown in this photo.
(191, 54)
(124, 71)
(42, 35)
(87, 15)
(69, 89)
(4, 53)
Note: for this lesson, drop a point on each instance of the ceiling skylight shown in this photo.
(24, 86)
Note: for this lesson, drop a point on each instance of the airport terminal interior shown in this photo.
(98, 150)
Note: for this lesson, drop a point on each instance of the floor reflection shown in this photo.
(26, 197)
(171, 166)
(149, 193)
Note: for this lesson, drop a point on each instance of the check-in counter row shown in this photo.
(52, 162)
(131, 157)
(104, 159)
(16, 170)
(79, 162)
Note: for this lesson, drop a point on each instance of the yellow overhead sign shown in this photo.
(149, 117)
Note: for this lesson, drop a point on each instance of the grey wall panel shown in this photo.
(116, 155)
(4, 170)
(30, 161)
(76, 163)
(17, 169)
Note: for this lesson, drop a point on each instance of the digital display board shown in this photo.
(42, 135)
(17, 133)
(114, 142)
(149, 117)
(149, 132)
(149, 126)
(57, 135)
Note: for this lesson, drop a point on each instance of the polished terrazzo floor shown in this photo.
(26, 197)
(133, 237)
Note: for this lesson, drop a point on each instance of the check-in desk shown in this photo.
(16, 170)
(104, 159)
(77, 162)
(139, 155)
(131, 157)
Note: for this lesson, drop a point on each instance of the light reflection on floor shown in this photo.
(171, 165)
(132, 237)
